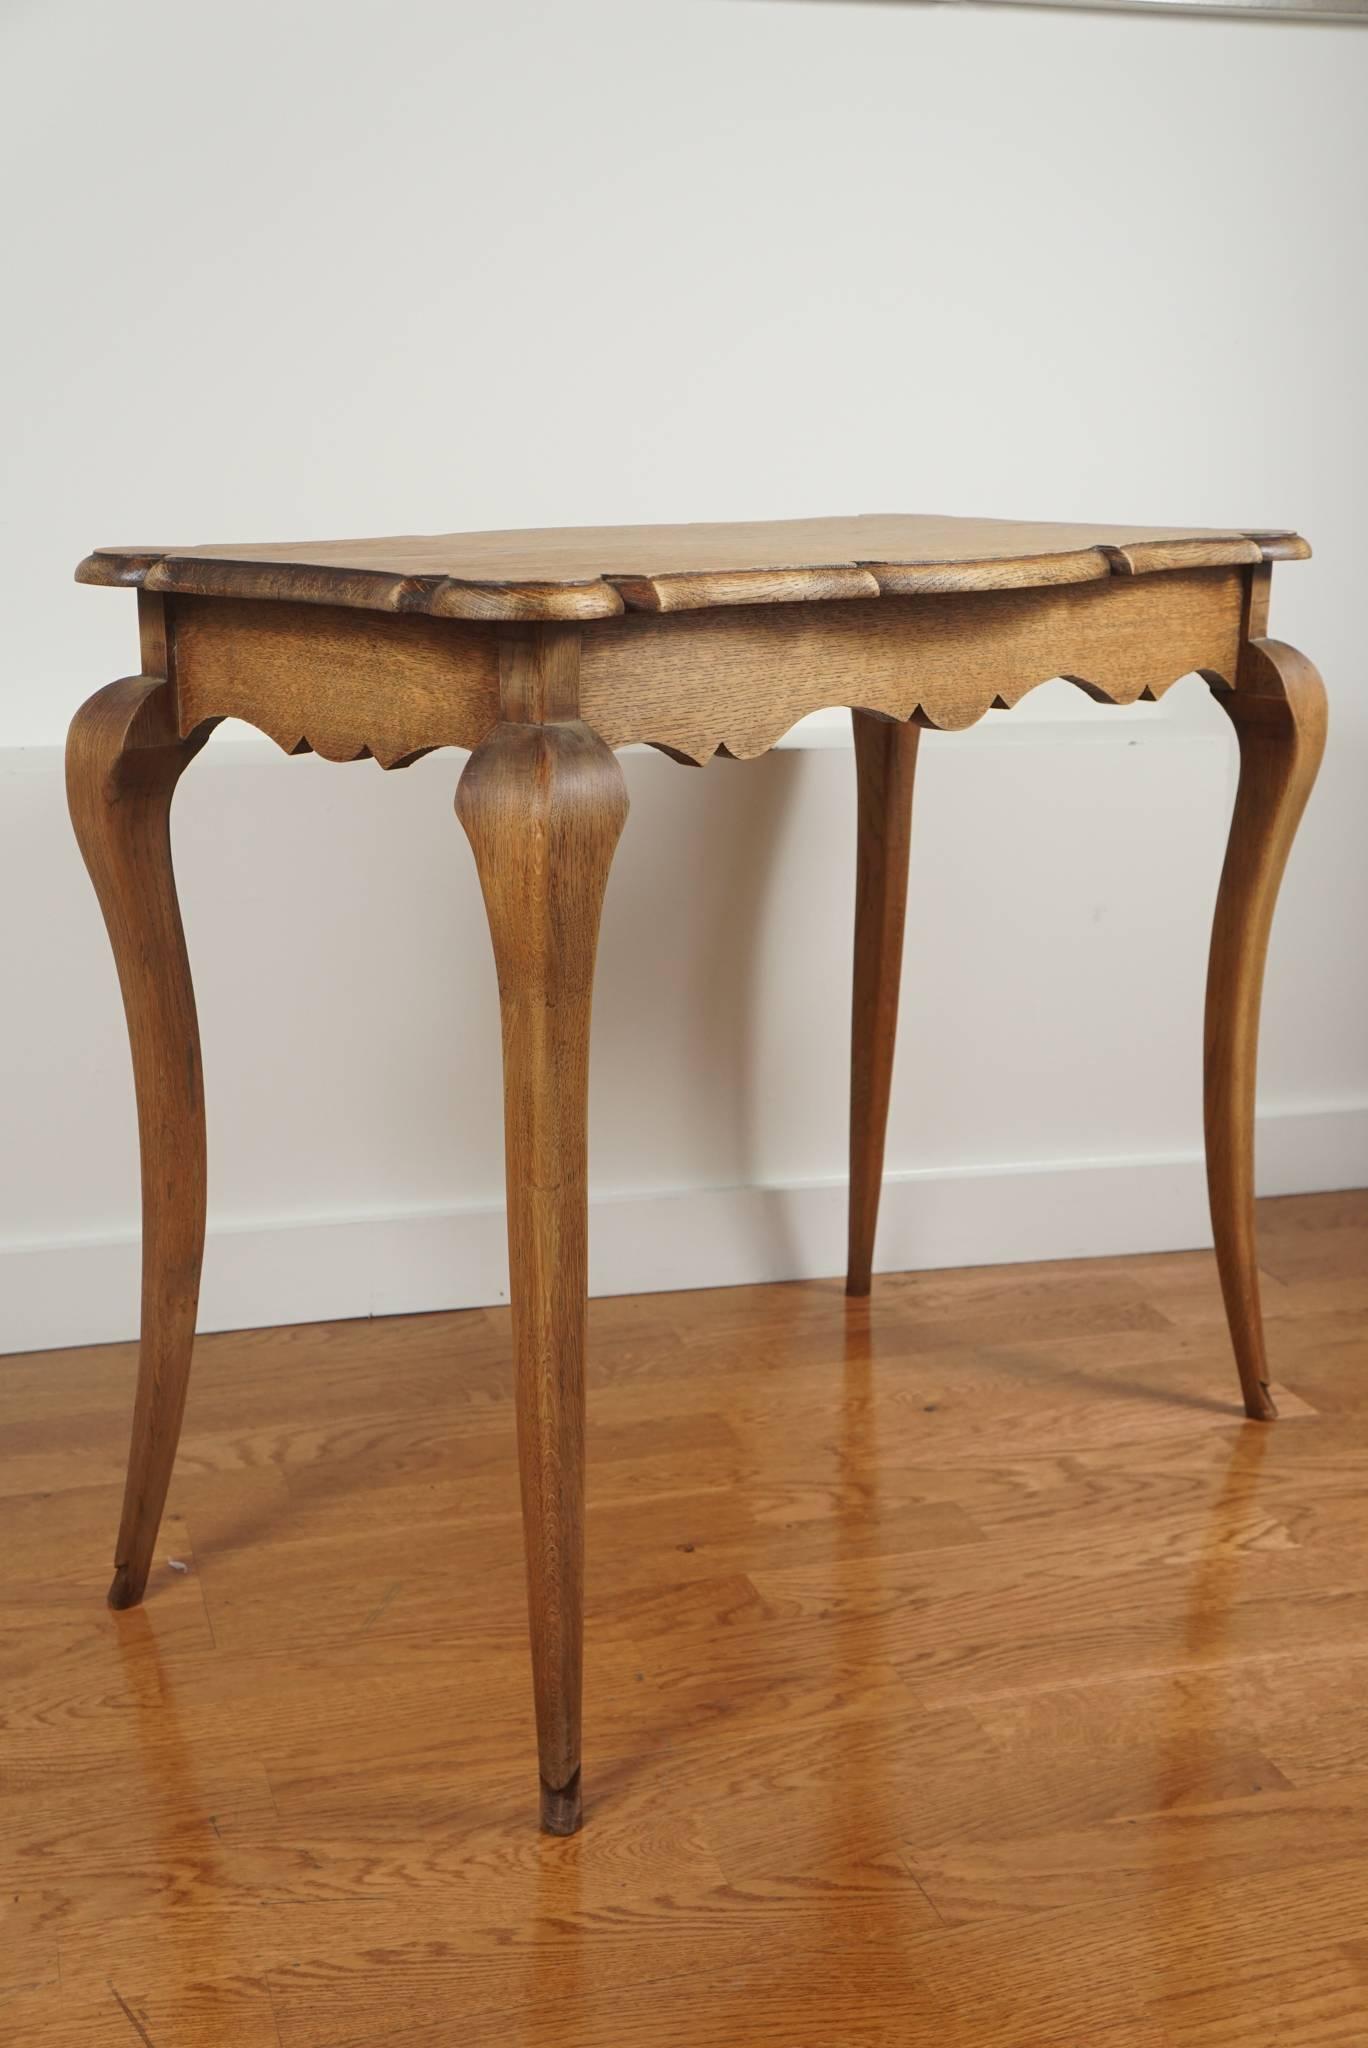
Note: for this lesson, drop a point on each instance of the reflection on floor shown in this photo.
(962, 1669)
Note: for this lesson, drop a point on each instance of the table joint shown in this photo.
(539, 674)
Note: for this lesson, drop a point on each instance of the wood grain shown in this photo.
(885, 764)
(351, 684)
(1076, 1757)
(727, 660)
(341, 684)
(1279, 714)
(124, 759)
(543, 807)
(738, 679)
(595, 572)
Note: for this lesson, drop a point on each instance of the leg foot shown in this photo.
(560, 1811)
(124, 757)
(1279, 715)
(543, 806)
(885, 762)
(125, 1590)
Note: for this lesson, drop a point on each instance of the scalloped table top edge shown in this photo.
(583, 573)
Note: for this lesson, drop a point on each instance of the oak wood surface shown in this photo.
(738, 679)
(595, 572)
(543, 806)
(124, 759)
(349, 683)
(1279, 715)
(962, 1670)
(337, 683)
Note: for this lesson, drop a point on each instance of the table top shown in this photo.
(588, 572)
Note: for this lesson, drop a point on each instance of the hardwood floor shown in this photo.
(961, 1669)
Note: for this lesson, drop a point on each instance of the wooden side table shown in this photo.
(542, 652)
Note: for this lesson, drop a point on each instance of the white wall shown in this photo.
(324, 269)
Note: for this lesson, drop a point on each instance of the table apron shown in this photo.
(348, 683)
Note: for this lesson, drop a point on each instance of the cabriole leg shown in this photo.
(1279, 715)
(543, 806)
(123, 759)
(885, 762)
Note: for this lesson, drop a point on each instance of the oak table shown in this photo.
(542, 652)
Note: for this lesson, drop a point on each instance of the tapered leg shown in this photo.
(123, 759)
(543, 806)
(1279, 716)
(885, 763)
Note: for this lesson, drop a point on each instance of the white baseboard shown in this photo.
(85, 1291)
